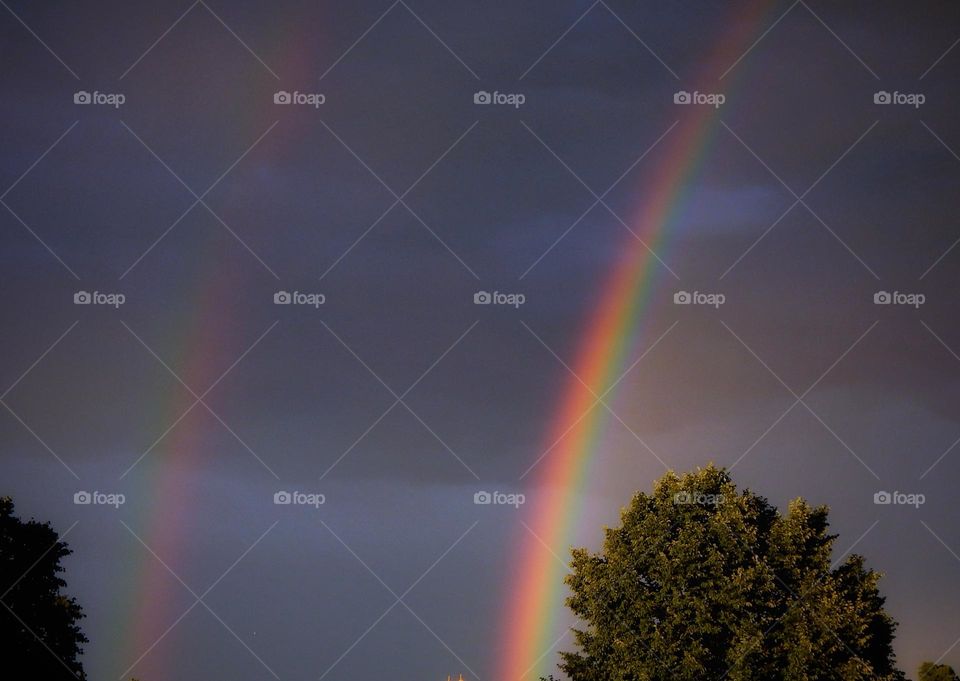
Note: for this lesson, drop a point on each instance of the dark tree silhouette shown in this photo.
(702, 581)
(39, 628)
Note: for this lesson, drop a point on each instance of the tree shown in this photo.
(38, 622)
(701, 581)
(937, 672)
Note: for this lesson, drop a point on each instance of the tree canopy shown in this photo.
(38, 621)
(930, 671)
(703, 581)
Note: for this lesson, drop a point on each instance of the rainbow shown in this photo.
(165, 478)
(151, 600)
(535, 596)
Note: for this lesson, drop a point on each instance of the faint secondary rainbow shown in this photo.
(152, 603)
(535, 596)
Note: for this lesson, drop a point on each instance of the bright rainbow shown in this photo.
(537, 593)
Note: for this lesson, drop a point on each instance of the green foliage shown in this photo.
(704, 581)
(38, 623)
(937, 672)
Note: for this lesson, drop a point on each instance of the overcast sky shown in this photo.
(197, 197)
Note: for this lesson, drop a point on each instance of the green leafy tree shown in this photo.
(702, 581)
(39, 629)
(937, 672)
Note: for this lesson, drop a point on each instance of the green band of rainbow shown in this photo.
(536, 596)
